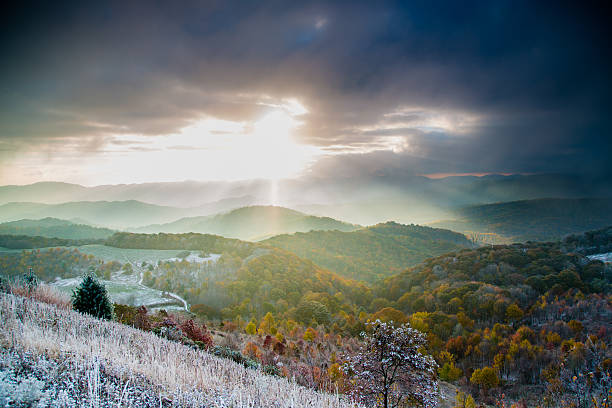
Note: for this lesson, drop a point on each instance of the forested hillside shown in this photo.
(590, 242)
(252, 223)
(522, 310)
(54, 228)
(373, 252)
(539, 220)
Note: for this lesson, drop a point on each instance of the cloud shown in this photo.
(470, 87)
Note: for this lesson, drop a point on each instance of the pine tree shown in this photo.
(30, 280)
(91, 297)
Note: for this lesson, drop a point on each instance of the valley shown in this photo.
(298, 300)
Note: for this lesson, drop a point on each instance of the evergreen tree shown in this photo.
(30, 280)
(91, 297)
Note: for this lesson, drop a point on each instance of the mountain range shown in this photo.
(366, 200)
(252, 223)
(537, 220)
(54, 228)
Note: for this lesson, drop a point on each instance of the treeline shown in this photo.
(588, 243)
(31, 242)
(52, 263)
(190, 241)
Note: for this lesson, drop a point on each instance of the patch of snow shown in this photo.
(194, 257)
(607, 257)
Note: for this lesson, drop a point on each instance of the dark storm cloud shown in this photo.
(536, 76)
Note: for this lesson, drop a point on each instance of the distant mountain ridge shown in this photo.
(54, 228)
(366, 200)
(117, 214)
(545, 219)
(373, 252)
(251, 223)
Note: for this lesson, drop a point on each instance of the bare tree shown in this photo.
(390, 370)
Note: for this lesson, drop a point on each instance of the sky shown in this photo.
(129, 92)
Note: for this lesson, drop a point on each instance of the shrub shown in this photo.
(449, 372)
(199, 336)
(236, 356)
(270, 369)
(91, 297)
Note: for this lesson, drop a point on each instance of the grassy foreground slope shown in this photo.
(252, 223)
(546, 219)
(100, 355)
(372, 252)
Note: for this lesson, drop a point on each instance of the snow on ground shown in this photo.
(196, 258)
(123, 289)
(607, 257)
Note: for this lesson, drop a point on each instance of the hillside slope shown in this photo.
(531, 312)
(107, 362)
(252, 223)
(247, 280)
(371, 252)
(54, 228)
(538, 220)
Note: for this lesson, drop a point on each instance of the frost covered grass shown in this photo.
(174, 374)
(123, 289)
(43, 293)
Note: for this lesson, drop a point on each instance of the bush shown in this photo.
(91, 297)
(226, 352)
(200, 336)
(271, 370)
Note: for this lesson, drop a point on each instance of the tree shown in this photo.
(251, 328)
(464, 401)
(91, 297)
(485, 377)
(514, 313)
(30, 280)
(389, 369)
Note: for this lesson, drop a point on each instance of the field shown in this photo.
(94, 354)
(125, 290)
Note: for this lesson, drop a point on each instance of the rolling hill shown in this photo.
(371, 252)
(54, 228)
(251, 223)
(116, 214)
(538, 220)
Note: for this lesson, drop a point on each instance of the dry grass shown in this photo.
(42, 293)
(186, 376)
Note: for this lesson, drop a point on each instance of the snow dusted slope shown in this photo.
(113, 365)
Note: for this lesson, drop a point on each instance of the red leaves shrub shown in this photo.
(269, 341)
(194, 333)
(279, 348)
(141, 320)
